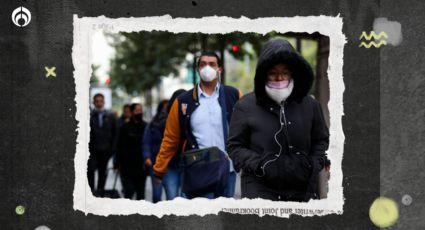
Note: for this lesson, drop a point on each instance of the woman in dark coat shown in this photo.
(278, 136)
(152, 142)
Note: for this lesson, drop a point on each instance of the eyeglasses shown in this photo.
(274, 74)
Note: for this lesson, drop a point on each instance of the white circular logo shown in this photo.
(21, 16)
(406, 200)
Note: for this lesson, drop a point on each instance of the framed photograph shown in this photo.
(144, 49)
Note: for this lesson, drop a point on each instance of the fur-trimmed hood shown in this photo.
(277, 51)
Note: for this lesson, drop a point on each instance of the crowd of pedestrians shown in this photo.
(198, 141)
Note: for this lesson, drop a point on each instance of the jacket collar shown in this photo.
(197, 91)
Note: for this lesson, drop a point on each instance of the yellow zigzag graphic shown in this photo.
(372, 34)
(372, 43)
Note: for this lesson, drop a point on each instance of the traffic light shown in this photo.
(108, 81)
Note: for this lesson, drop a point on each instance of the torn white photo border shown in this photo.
(85, 27)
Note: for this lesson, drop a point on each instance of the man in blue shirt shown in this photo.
(200, 119)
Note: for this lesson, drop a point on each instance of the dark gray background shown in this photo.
(383, 105)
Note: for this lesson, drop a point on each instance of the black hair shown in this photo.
(173, 98)
(98, 95)
(126, 106)
(159, 110)
(133, 106)
(209, 54)
(161, 106)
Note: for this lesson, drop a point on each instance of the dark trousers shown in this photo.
(133, 181)
(98, 160)
(251, 187)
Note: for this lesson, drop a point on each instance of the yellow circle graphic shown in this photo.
(383, 212)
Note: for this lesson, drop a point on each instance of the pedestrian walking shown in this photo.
(103, 134)
(172, 177)
(129, 158)
(151, 143)
(278, 136)
(197, 126)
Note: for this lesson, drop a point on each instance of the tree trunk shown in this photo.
(223, 72)
(194, 69)
(298, 44)
(204, 43)
(147, 111)
(322, 81)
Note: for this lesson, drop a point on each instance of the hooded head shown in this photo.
(280, 51)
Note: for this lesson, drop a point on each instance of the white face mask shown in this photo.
(208, 74)
(279, 95)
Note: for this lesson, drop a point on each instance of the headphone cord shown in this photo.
(282, 111)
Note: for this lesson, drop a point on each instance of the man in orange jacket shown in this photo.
(199, 118)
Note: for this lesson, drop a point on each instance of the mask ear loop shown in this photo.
(280, 147)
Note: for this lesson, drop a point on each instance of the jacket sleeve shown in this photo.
(147, 143)
(120, 145)
(238, 142)
(319, 137)
(114, 133)
(170, 142)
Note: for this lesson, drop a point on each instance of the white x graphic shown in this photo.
(50, 71)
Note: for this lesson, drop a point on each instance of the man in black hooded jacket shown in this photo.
(279, 142)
